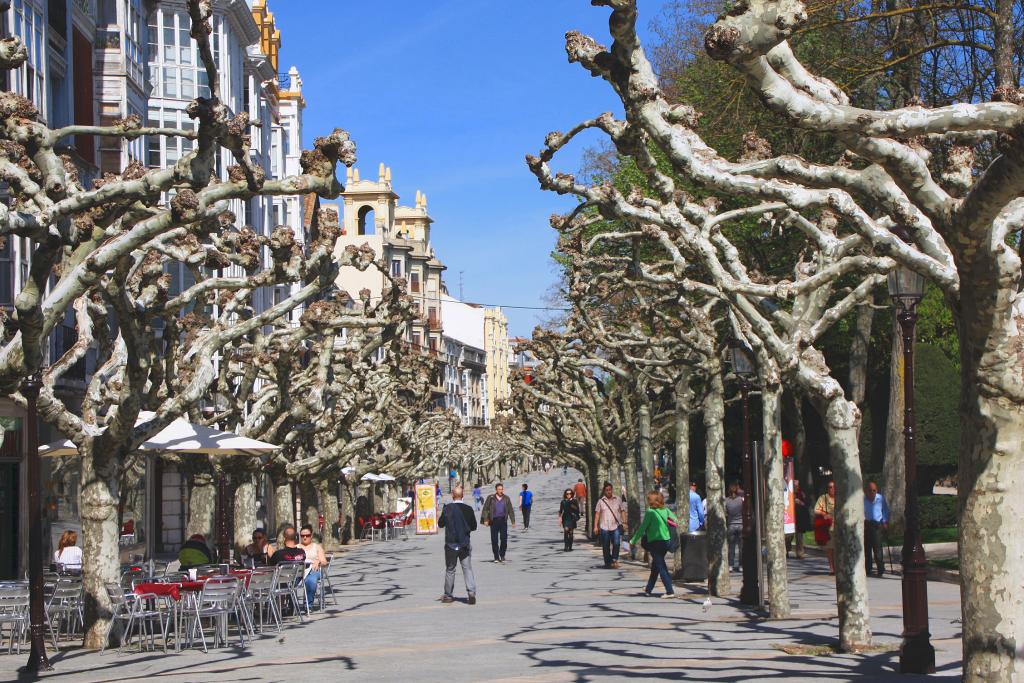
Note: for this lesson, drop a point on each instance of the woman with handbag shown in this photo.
(568, 516)
(824, 523)
(655, 536)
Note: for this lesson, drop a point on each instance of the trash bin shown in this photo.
(695, 556)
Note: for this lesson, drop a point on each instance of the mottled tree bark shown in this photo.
(100, 534)
(633, 495)
(310, 505)
(683, 397)
(327, 490)
(801, 467)
(245, 509)
(893, 467)
(646, 448)
(842, 423)
(718, 541)
(284, 506)
(775, 535)
(202, 506)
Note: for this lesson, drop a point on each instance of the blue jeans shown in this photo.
(658, 550)
(610, 541)
(311, 581)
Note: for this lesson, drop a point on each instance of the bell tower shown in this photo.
(369, 204)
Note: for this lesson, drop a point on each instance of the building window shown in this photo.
(6, 273)
(414, 282)
(396, 267)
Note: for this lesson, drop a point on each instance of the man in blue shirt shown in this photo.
(696, 509)
(876, 519)
(526, 504)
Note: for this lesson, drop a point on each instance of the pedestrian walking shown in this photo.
(498, 514)
(654, 536)
(734, 525)
(609, 520)
(526, 505)
(876, 520)
(478, 497)
(568, 515)
(458, 521)
(579, 489)
(803, 518)
(697, 509)
(824, 522)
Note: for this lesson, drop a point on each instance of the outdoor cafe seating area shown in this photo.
(154, 607)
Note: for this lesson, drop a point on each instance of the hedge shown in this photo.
(938, 512)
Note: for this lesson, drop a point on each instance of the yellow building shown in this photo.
(499, 355)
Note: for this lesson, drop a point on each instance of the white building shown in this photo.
(465, 370)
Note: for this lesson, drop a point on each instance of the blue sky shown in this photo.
(452, 94)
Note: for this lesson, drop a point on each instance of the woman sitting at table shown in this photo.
(259, 550)
(315, 558)
(68, 555)
(194, 552)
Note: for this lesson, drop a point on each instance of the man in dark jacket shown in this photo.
(458, 521)
(498, 513)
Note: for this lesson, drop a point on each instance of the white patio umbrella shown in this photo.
(370, 476)
(181, 436)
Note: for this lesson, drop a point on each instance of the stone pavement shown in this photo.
(543, 616)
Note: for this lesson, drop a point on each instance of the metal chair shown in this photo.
(219, 600)
(132, 609)
(259, 595)
(289, 586)
(65, 607)
(325, 582)
(14, 600)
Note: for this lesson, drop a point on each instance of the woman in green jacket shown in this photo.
(655, 529)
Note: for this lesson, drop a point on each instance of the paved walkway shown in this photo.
(543, 616)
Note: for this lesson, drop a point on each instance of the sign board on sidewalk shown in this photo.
(426, 509)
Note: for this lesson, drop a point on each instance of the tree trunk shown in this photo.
(348, 511)
(597, 472)
(633, 491)
(284, 506)
(842, 423)
(801, 470)
(245, 509)
(683, 396)
(310, 506)
(645, 447)
(377, 494)
(718, 541)
(775, 502)
(859, 345)
(202, 506)
(991, 544)
(100, 534)
(893, 468)
(329, 507)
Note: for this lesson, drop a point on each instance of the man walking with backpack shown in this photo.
(458, 521)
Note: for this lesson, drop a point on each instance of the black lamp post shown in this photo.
(742, 360)
(916, 652)
(37, 660)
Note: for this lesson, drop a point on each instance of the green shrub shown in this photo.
(938, 512)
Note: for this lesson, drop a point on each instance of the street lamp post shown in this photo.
(916, 652)
(743, 365)
(37, 660)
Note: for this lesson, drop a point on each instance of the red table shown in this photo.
(171, 590)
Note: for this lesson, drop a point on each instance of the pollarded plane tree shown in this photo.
(877, 206)
(672, 338)
(301, 386)
(103, 253)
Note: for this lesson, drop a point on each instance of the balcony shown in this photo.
(434, 323)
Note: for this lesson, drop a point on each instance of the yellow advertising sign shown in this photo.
(426, 509)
